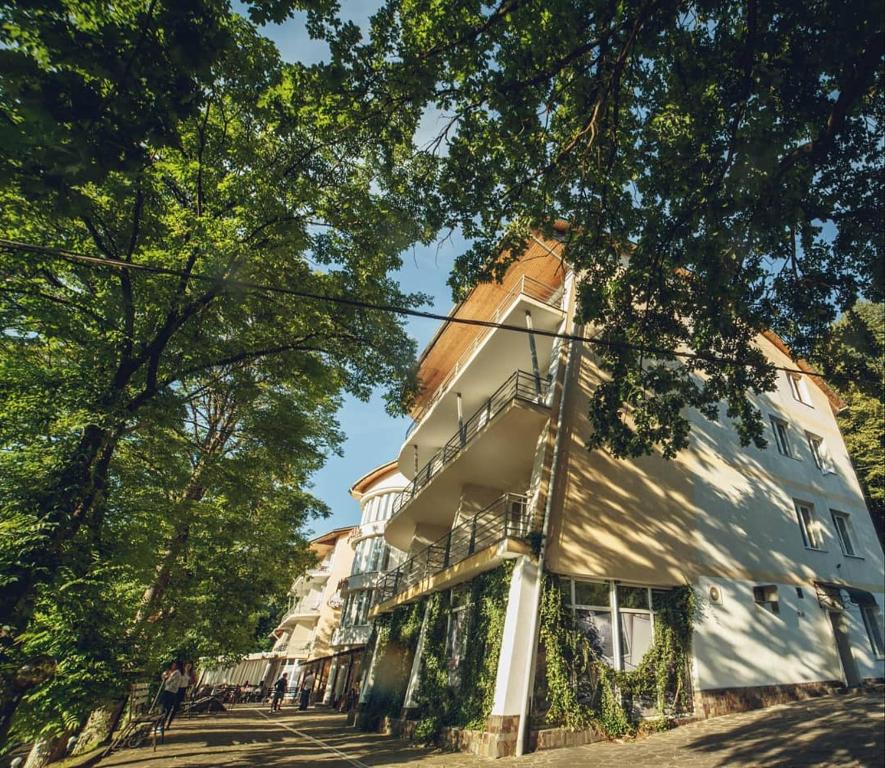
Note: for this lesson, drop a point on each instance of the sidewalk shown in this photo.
(829, 731)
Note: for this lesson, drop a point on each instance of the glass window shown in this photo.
(819, 453)
(843, 529)
(872, 620)
(593, 615)
(637, 637)
(799, 388)
(591, 593)
(811, 535)
(597, 627)
(780, 436)
(633, 597)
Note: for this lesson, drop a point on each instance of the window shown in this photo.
(592, 610)
(811, 535)
(799, 388)
(591, 604)
(780, 435)
(819, 453)
(634, 614)
(872, 620)
(843, 530)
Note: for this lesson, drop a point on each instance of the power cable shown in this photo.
(101, 262)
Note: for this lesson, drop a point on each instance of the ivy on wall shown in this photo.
(582, 690)
(396, 637)
(467, 704)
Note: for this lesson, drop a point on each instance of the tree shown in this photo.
(852, 357)
(719, 163)
(253, 186)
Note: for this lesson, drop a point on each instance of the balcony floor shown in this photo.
(479, 562)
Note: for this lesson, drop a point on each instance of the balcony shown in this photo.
(476, 544)
(303, 609)
(464, 359)
(356, 635)
(494, 447)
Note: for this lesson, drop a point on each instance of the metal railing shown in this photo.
(518, 386)
(526, 286)
(302, 607)
(506, 517)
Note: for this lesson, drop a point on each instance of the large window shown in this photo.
(593, 604)
(372, 554)
(842, 524)
(812, 537)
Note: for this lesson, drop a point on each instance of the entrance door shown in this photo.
(840, 630)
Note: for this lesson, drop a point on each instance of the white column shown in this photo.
(616, 625)
(515, 662)
(330, 682)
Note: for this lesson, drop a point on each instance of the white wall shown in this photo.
(740, 643)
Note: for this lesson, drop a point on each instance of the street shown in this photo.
(828, 731)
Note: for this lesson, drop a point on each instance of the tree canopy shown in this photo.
(720, 164)
(158, 429)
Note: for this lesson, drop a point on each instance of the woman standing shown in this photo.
(169, 692)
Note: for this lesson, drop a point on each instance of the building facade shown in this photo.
(306, 628)
(775, 545)
(377, 493)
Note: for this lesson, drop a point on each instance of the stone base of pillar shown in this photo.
(497, 740)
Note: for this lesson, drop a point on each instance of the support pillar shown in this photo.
(462, 437)
(330, 681)
(515, 663)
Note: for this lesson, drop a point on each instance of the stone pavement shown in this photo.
(829, 731)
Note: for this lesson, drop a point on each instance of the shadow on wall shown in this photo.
(717, 509)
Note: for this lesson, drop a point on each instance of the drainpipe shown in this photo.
(521, 737)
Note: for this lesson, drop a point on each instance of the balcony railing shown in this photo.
(506, 517)
(527, 286)
(519, 386)
(302, 608)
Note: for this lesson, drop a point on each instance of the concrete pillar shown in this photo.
(462, 437)
(330, 682)
(515, 664)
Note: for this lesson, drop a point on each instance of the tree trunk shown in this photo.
(47, 750)
(98, 728)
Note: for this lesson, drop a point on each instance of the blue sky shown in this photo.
(372, 437)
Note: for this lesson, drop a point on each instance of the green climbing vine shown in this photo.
(468, 703)
(582, 690)
(396, 636)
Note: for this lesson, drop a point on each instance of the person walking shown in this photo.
(306, 688)
(279, 690)
(169, 692)
(184, 682)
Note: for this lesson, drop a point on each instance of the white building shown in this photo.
(776, 544)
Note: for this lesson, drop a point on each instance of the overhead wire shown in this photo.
(108, 262)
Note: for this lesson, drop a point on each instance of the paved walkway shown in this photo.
(830, 731)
